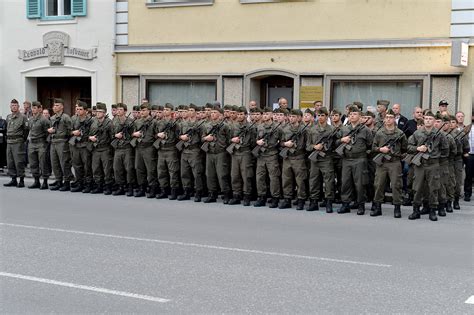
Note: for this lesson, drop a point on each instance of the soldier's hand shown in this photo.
(161, 135)
(260, 142)
(422, 148)
(76, 133)
(119, 135)
(184, 137)
(235, 139)
(93, 138)
(384, 149)
(51, 130)
(318, 147)
(288, 144)
(209, 138)
(137, 134)
(346, 139)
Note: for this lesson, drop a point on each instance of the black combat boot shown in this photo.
(449, 207)
(425, 209)
(185, 196)
(285, 204)
(198, 196)
(456, 204)
(12, 183)
(329, 206)
(151, 192)
(274, 203)
(313, 205)
(441, 209)
(66, 186)
(140, 191)
(415, 214)
(78, 187)
(300, 204)
(261, 202)
(98, 189)
(129, 192)
(376, 209)
(45, 185)
(235, 200)
(408, 201)
(120, 191)
(397, 212)
(226, 196)
(361, 209)
(55, 183)
(58, 185)
(344, 208)
(433, 216)
(212, 197)
(108, 189)
(163, 193)
(174, 194)
(36, 184)
(21, 183)
(323, 203)
(246, 202)
(354, 205)
(87, 188)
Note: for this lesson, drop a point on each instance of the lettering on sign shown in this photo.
(310, 94)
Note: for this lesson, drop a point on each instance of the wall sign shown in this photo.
(310, 94)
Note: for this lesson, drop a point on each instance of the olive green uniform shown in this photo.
(168, 160)
(60, 152)
(446, 191)
(101, 151)
(17, 131)
(267, 162)
(145, 152)
(124, 158)
(81, 155)
(37, 146)
(191, 157)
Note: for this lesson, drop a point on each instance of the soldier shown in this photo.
(136, 112)
(124, 158)
(382, 106)
(354, 160)
(266, 152)
(38, 126)
(60, 130)
(145, 153)
(243, 136)
(389, 144)
(167, 132)
(81, 155)
(321, 142)
(191, 157)
(369, 119)
(462, 148)
(337, 161)
(100, 136)
(216, 136)
(426, 174)
(17, 131)
(294, 168)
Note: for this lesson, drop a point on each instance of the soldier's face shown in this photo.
(215, 115)
(240, 117)
(167, 112)
(58, 107)
(81, 111)
(114, 111)
(144, 113)
(36, 110)
(100, 114)
(294, 119)
(453, 124)
(14, 107)
(159, 114)
(389, 120)
(354, 117)
(191, 113)
(438, 123)
(335, 118)
(46, 114)
(120, 111)
(381, 108)
(428, 121)
(322, 118)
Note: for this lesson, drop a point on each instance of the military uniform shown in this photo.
(123, 163)
(37, 147)
(17, 131)
(60, 152)
(145, 155)
(101, 153)
(81, 155)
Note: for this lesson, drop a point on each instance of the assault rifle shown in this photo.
(215, 129)
(353, 133)
(461, 135)
(242, 133)
(125, 129)
(55, 127)
(259, 148)
(391, 143)
(143, 128)
(100, 132)
(416, 158)
(325, 141)
(170, 125)
(82, 127)
(190, 132)
(295, 138)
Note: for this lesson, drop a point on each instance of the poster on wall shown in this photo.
(310, 94)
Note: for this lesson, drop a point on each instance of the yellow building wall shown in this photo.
(231, 21)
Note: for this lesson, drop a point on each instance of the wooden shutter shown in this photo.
(78, 7)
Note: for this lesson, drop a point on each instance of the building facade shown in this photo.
(183, 51)
(57, 48)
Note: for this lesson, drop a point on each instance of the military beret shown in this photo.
(308, 111)
(354, 109)
(94, 107)
(197, 108)
(256, 110)
(241, 109)
(323, 110)
(296, 111)
(268, 110)
(113, 106)
(358, 104)
(193, 106)
(429, 113)
(452, 117)
(383, 103)
(284, 111)
(389, 112)
(122, 105)
(227, 107)
(160, 108)
(438, 116)
(443, 103)
(36, 104)
(235, 108)
(182, 107)
(169, 105)
(335, 112)
(220, 110)
(56, 100)
(208, 105)
(154, 107)
(82, 104)
(145, 106)
(369, 113)
(446, 118)
(136, 108)
(102, 106)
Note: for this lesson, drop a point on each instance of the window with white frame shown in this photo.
(55, 9)
(177, 3)
(181, 92)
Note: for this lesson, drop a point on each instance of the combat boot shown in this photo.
(329, 206)
(235, 200)
(425, 209)
(441, 211)
(300, 204)
(66, 186)
(456, 204)
(415, 214)
(354, 205)
(274, 203)
(57, 186)
(246, 202)
(36, 184)
(433, 216)
(186, 195)
(151, 192)
(198, 196)
(55, 183)
(226, 197)
(285, 204)
(87, 188)
(120, 191)
(361, 209)
(107, 190)
(323, 203)
(140, 191)
(174, 194)
(12, 183)
(397, 212)
(260, 202)
(449, 207)
(129, 192)
(21, 183)
(408, 201)
(344, 208)
(163, 194)
(376, 209)
(44, 186)
(78, 187)
(212, 197)
(98, 189)
(313, 205)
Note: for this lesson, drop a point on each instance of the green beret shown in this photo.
(220, 110)
(383, 103)
(390, 112)
(296, 111)
(145, 106)
(122, 105)
(154, 107)
(102, 106)
(136, 108)
(429, 113)
(323, 110)
(369, 113)
(335, 112)
(354, 109)
(308, 111)
(227, 107)
(284, 111)
(235, 108)
(358, 104)
(169, 106)
(256, 110)
(241, 109)
(268, 110)
(451, 117)
(113, 106)
(197, 108)
(446, 118)
(208, 105)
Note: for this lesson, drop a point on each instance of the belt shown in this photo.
(356, 155)
(431, 161)
(14, 137)
(39, 140)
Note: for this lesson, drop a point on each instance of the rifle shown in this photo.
(158, 142)
(143, 128)
(100, 132)
(82, 127)
(256, 151)
(55, 127)
(460, 136)
(379, 158)
(295, 138)
(190, 132)
(214, 129)
(340, 149)
(242, 133)
(325, 142)
(416, 159)
(123, 131)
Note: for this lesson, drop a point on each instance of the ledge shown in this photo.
(178, 3)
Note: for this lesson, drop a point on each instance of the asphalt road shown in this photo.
(76, 253)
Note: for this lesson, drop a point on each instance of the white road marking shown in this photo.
(470, 300)
(233, 249)
(85, 287)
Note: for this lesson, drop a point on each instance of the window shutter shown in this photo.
(33, 9)
(78, 7)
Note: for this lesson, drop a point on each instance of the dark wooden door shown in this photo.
(69, 89)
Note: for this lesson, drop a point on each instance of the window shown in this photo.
(55, 9)
(407, 93)
(181, 92)
(177, 3)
